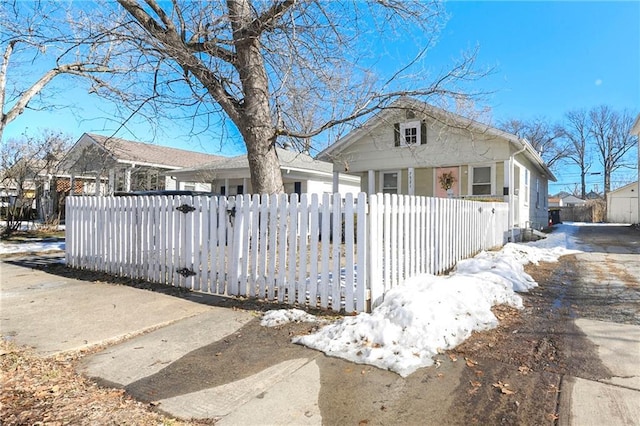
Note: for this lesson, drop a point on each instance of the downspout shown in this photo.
(512, 190)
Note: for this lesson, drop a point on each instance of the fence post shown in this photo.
(363, 247)
(236, 250)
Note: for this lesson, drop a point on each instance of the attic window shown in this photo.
(410, 115)
(410, 133)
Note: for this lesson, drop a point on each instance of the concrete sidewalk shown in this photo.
(58, 314)
(149, 335)
(613, 401)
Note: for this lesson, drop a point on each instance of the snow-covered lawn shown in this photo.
(427, 313)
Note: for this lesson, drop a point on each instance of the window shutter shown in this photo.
(396, 134)
(423, 133)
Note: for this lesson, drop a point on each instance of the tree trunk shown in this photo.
(266, 177)
(255, 111)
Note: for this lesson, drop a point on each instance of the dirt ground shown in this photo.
(511, 375)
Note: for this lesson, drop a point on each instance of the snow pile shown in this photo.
(282, 316)
(428, 314)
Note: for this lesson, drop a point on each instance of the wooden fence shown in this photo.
(316, 251)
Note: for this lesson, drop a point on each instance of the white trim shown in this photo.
(411, 181)
(398, 182)
(410, 125)
(470, 171)
(371, 182)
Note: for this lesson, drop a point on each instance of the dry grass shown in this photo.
(47, 391)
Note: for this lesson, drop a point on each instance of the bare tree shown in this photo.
(577, 132)
(279, 68)
(37, 36)
(546, 138)
(27, 165)
(611, 131)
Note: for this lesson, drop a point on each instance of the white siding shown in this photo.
(622, 205)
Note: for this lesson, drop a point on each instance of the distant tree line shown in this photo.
(582, 137)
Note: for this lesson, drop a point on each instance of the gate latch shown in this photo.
(185, 208)
(185, 272)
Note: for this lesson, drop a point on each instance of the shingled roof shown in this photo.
(145, 153)
(288, 160)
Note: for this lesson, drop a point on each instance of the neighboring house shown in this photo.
(417, 149)
(622, 204)
(106, 165)
(554, 202)
(593, 195)
(300, 174)
(571, 201)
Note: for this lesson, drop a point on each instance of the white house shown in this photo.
(123, 165)
(417, 149)
(566, 201)
(300, 174)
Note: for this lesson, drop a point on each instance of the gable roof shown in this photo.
(149, 154)
(441, 115)
(288, 160)
(632, 186)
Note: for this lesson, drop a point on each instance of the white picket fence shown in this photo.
(314, 251)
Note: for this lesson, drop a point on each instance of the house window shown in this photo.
(481, 183)
(537, 193)
(223, 190)
(297, 187)
(410, 133)
(189, 187)
(240, 189)
(390, 182)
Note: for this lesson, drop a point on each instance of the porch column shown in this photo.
(371, 180)
(411, 178)
(336, 182)
(226, 187)
(112, 181)
(72, 185)
(98, 185)
(245, 188)
(127, 179)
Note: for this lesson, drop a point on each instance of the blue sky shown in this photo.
(548, 58)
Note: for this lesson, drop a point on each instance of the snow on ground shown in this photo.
(30, 247)
(428, 314)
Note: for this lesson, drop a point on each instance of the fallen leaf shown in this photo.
(453, 358)
(524, 370)
(479, 373)
(553, 416)
(470, 362)
(475, 383)
(504, 388)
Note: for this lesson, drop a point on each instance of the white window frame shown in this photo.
(410, 125)
(527, 177)
(472, 168)
(398, 180)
